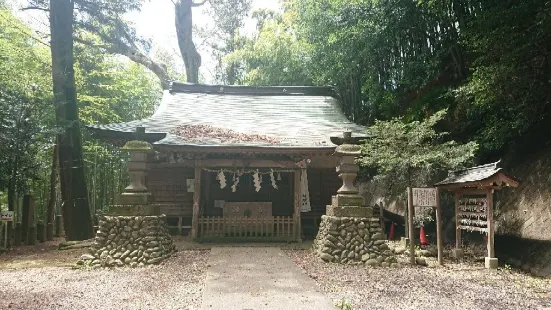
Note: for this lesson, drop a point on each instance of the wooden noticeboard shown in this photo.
(424, 197)
(473, 214)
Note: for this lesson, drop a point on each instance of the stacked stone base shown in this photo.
(353, 240)
(131, 241)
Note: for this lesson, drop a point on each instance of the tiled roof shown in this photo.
(294, 116)
(474, 174)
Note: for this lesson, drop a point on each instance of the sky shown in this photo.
(156, 22)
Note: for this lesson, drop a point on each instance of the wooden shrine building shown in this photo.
(474, 203)
(238, 161)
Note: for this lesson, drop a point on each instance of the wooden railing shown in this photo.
(242, 227)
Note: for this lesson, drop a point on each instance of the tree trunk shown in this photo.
(50, 213)
(12, 201)
(184, 32)
(76, 212)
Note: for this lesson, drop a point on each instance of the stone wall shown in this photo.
(132, 241)
(353, 241)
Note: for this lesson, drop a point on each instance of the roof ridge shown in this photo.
(178, 87)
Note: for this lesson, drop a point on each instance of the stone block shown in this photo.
(135, 210)
(351, 211)
(129, 198)
(343, 200)
(457, 253)
(490, 262)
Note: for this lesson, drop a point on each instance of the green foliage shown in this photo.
(229, 18)
(508, 94)
(275, 57)
(408, 152)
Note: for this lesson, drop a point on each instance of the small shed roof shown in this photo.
(215, 115)
(480, 176)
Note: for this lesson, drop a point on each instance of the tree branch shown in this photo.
(35, 8)
(193, 4)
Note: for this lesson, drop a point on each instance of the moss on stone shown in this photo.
(137, 145)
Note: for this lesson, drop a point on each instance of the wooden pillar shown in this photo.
(439, 228)
(458, 252)
(196, 200)
(491, 225)
(410, 227)
(296, 215)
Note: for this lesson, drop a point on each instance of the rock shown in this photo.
(152, 244)
(119, 263)
(421, 261)
(383, 246)
(109, 261)
(361, 225)
(426, 253)
(104, 254)
(343, 233)
(332, 239)
(127, 260)
(379, 242)
(351, 254)
(365, 258)
(86, 257)
(340, 246)
(344, 254)
(394, 265)
(386, 265)
(372, 263)
(378, 236)
(326, 257)
(133, 253)
(133, 264)
(155, 254)
(111, 236)
(399, 250)
(125, 254)
(329, 244)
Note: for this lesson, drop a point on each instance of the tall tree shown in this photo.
(184, 32)
(76, 211)
(229, 17)
(111, 32)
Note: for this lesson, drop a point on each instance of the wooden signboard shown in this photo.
(248, 209)
(425, 198)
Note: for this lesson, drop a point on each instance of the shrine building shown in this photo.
(241, 161)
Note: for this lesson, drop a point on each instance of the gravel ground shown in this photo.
(455, 286)
(175, 284)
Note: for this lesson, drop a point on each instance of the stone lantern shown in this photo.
(135, 198)
(348, 201)
(348, 233)
(134, 233)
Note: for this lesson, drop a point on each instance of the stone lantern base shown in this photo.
(349, 234)
(131, 241)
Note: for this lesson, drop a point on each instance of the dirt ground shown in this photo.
(43, 277)
(456, 285)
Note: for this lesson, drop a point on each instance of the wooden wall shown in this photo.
(322, 183)
(168, 186)
(281, 198)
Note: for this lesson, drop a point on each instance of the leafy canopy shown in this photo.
(408, 151)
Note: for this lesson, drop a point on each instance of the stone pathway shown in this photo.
(246, 278)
